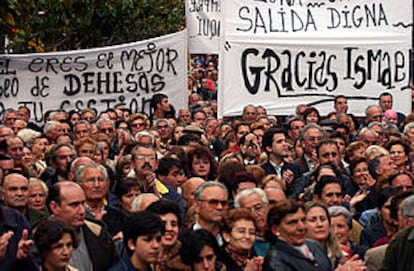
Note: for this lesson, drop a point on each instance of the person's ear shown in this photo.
(275, 230)
(54, 207)
(226, 236)
(131, 244)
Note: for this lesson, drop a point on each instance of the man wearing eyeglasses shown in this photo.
(311, 135)
(145, 164)
(211, 206)
(9, 117)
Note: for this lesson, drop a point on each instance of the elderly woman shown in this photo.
(239, 232)
(341, 223)
(169, 257)
(37, 201)
(55, 241)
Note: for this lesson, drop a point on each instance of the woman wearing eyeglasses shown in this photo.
(239, 232)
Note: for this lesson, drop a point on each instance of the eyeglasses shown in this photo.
(215, 202)
(138, 125)
(162, 126)
(142, 157)
(258, 208)
(314, 138)
(106, 130)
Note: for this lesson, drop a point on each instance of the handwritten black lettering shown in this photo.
(9, 87)
(56, 65)
(383, 67)
(5, 66)
(41, 87)
(282, 71)
(372, 15)
(269, 20)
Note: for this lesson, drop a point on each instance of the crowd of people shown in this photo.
(183, 190)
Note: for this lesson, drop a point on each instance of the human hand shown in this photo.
(254, 264)
(24, 245)
(353, 264)
(4, 243)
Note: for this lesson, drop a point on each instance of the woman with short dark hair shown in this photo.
(55, 241)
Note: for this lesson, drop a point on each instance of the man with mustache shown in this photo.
(145, 162)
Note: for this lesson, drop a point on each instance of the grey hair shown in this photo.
(99, 121)
(338, 210)
(407, 207)
(82, 122)
(372, 106)
(136, 203)
(311, 126)
(145, 133)
(50, 125)
(408, 126)
(35, 181)
(373, 123)
(55, 148)
(79, 171)
(365, 130)
(248, 192)
(200, 189)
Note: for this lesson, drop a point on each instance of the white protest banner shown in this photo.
(203, 26)
(282, 53)
(97, 78)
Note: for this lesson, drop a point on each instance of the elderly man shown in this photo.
(311, 135)
(145, 164)
(14, 148)
(9, 117)
(249, 113)
(15, 192)
(81, 129)
(60, 158)
(255, 200)
(53, 129)
(184, 116)
(93, 178)
(96, 250)
(188, 190)
(211, 206)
